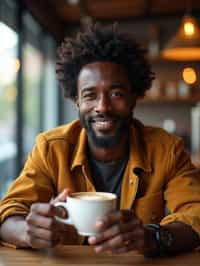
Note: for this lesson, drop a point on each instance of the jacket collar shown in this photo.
(137, 154)
(79, 156)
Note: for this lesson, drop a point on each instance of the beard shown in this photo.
(106, 141)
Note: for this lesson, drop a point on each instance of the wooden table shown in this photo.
(84, 255)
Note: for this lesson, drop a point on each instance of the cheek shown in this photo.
(85, 107)
(123, 107)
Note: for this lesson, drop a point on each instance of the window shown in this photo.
(37, 90)
(9, 66)
(31, 84)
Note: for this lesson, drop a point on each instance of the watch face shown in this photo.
(166, 238)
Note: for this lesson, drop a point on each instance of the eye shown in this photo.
(117, 93)
(89, 95)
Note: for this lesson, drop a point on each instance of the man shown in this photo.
(105, 72)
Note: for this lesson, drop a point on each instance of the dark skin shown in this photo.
(103, 89)
(39, 229)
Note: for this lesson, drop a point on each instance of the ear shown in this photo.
(76, 102)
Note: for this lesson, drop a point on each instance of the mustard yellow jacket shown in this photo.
(159, 176)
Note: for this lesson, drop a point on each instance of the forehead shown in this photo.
(98, 72)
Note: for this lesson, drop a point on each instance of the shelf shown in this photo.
(164, 100)
(168, 61)
(161, 60)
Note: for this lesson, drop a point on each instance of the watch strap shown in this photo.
(162, 237)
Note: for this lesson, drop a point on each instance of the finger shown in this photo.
(121, 240)
(44, 209)
(38, 232)
(60, 226)
(40, 221)
(62, 196)
(113, 231)
(38, 243)
(129, 246)
(49, 210)
(125, 249)
(49, 223)
(118, 241)
(113, 218)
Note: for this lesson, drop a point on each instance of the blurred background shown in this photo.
(30, 101)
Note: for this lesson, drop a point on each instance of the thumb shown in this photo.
(62, 196)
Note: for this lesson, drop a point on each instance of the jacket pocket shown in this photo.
(150, 208)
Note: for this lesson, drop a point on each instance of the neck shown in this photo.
(114, 153)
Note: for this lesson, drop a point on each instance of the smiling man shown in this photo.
(105, 102)
(104, 72)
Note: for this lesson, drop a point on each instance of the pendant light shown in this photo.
(185, 45)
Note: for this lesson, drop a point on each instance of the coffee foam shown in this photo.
(92, 197)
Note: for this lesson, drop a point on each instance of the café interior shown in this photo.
(30, 100)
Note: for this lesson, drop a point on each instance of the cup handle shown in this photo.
(65, 221)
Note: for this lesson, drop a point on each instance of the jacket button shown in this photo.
(131, 181)
(153, 216)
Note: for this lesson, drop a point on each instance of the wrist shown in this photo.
(163, 239)
(151, 245)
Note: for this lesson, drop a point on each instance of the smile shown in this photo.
(104, 124)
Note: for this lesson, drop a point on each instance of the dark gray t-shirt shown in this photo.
(107, 176)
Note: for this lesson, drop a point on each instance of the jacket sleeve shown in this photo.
(182, 189)
(35, 183)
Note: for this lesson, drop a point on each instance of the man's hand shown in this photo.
(42, 229)
(120, 232)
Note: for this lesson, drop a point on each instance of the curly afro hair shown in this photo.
(98, 43)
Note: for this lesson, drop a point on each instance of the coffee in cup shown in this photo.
(85, 207)
(94, 196)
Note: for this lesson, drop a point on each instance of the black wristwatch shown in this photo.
(163, 237)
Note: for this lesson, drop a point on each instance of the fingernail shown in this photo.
(99, 223)
(92, 239)
(98, 249)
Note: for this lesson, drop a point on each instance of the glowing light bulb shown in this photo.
(189, 28)
(189, 75)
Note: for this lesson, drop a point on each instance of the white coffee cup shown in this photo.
(84, 208)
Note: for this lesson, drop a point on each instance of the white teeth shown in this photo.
(104, 125)
(103, 122)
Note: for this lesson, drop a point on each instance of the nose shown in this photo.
(103, 104)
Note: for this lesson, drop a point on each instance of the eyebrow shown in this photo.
(114, 85)
(118, 85)
(85, 89)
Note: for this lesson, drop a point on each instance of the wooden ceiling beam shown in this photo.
(46, 16)
(123, 9)
(57, 15)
